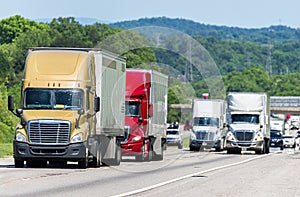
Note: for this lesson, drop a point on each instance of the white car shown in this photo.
(174, 137)
(289, 141)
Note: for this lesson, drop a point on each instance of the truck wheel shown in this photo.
(19, 163)
(140, 158)
(179, 146)
(118, 157)
(150, 153)
(117, 160)
(83, 163)
(267, 147)
(161, 155)
(36, 163)
(218, 149)
(192, 148)
(97, 158)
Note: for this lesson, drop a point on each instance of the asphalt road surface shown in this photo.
(181, 173)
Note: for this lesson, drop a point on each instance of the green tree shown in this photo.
(67, 32)
(12, 27)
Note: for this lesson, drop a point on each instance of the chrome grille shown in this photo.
(49, 131)
(204, 135)
(244, 135)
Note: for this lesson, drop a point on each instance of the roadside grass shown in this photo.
(6, 149)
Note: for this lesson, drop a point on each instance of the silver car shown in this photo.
(289, 141)
(174, 137)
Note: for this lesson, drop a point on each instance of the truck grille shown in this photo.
(204, 135)
(49, 131)
(244, 135)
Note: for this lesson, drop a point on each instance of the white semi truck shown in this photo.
(249, 123)
(208, 131)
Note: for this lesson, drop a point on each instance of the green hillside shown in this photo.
(247, 61)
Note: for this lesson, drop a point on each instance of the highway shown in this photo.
(181, 173)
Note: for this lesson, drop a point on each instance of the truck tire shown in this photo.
(179, 146)
(140, 158)
(267, 146)
(192, 148)
(83, 163)
(118, 157)
(160, 156)
(150, 153)
(97, 158)
(36, 163)
(19, 163)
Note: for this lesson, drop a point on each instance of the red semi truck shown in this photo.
(145, 114)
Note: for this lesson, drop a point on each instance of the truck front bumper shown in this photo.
(244, 146)
(132, 149)
(70, 152)
(202, 144)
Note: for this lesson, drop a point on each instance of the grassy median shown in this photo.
(6, 149)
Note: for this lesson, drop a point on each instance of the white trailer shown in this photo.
(249, 122)
(209, 116)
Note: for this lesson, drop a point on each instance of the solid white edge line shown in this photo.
(188, 176)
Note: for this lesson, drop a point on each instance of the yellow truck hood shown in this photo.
(50, 114)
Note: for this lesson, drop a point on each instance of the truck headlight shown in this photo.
(230, 137)
(20, 137)
(258, 137)
(136, 138)
(192, 136)
(77, 138)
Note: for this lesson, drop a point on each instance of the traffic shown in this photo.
(96, 111)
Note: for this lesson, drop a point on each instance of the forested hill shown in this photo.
(272, 34)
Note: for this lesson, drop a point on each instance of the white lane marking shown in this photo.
(188, 176)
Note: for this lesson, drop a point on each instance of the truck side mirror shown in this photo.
(11, 105)
(97, 104)
(140, 120)
(19, 111)
(150, 110)
(80, 111)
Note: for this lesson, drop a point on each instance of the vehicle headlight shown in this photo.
(77, 138)
(136, 138)
(230, 137)
(192, 136)
(20, 137)
(258, 136)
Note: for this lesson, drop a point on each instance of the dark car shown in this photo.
(276, 139)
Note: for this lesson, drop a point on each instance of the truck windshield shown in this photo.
(132, 108)
(275, 133)
(206, 121)
(38, 98)
(245, 118)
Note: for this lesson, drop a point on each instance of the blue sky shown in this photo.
(235, 13)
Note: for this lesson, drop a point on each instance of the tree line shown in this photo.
(243, 64)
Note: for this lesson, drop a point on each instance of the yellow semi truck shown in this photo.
(72, 108)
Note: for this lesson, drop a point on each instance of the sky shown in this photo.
(233, 13)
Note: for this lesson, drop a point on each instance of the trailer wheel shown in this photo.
(150, 153)
(160, 156)
(96, 158)
(19, 163)
(118, 157)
